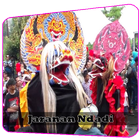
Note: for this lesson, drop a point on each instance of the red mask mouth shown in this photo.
(98, 63)
(60, 69)
(58, 73)
(100, 68)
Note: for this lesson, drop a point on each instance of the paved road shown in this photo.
(132, 124)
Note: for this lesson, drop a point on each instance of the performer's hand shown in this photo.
(11, 110)
(14, 108)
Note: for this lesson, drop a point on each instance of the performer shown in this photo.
(111, 51)
(52, 47)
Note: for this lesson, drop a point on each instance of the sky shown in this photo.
(93, 21)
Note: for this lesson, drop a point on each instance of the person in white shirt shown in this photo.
(86, 86)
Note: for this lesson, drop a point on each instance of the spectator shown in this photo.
(13, 65)
(5, 80)
(134, 82)
(19, 83)
(18, 67)
(89, 65)
(85, 127)
(86, 86)
(128, 75)
(12, 104)
(5, 77)
(84, 68)
(22, 70)
(126, 105)
(134, 55)
(24, 74)
(8, 65)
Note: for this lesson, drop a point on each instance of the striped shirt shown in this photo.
(86, 87)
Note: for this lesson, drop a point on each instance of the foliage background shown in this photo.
(11, 36)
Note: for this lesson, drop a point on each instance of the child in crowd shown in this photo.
(12, 104)
(87, 128)
(19, 83)
(5, 80)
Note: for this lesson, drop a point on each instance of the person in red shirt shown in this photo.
(18, 66)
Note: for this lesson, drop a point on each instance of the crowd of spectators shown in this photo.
(130, 77)
(15, 77)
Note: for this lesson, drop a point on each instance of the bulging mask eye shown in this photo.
(53, 23)
(60, 24)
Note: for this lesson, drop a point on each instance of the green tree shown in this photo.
(4, 29)
(12, 43)
(4, 35)
(114, 13)
(131, 42)
(136, 42)
(90, 46)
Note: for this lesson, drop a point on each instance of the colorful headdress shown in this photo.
(45, 28)
(112, 41)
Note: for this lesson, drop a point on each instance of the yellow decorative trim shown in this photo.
(111, 131)
(106, 126)
(123, 131)
(118, 109)
(111, 88)
(24, 105)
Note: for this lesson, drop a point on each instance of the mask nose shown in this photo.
(67, 55)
